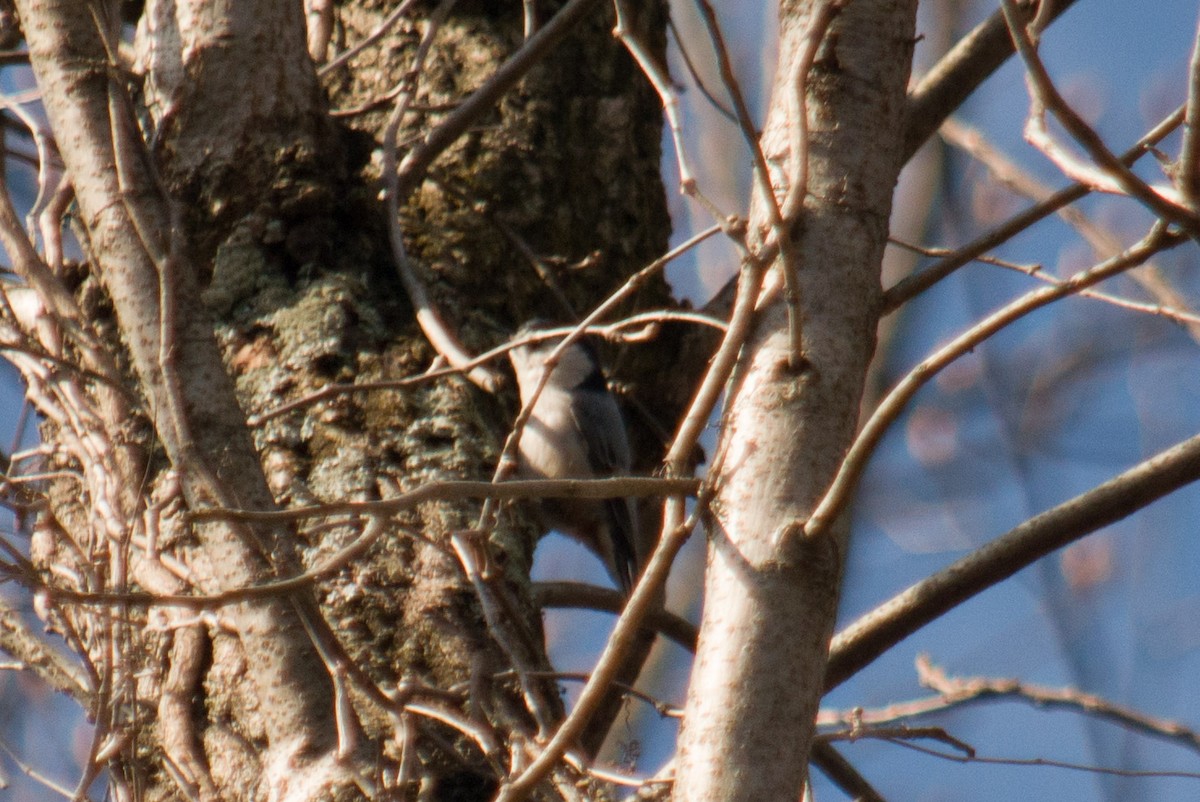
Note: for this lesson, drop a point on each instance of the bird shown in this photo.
(576, 431)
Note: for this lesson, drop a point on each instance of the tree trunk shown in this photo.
(771, 589)
(237, 260)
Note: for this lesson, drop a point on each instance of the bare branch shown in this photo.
(520, 644)
(791, 183)
(39, 777)
(913, 285)
(862, 641)
(643, 600)
(577, 596)
(413, 167)
(942, 90)
(662, 85)
(380, 31)
(846, 481)
(960, 690)
(953, 692)
(37, 656)
(1103, 241)
(834, 766)
(1189, 155)
(444, 341)
(694, 73)
(959, 756)
(1113, 174)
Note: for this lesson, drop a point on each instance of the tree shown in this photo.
(273, 521)
(225, 216)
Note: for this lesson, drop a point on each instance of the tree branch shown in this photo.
(846, 481)
(913, 285)
(977, 55)
(861, 642)
(417, 162)
(36, 656)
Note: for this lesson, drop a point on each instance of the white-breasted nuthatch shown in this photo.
(576, 431)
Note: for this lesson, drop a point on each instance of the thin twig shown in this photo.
(37, 776)
(960, 690)
(1189, 152)
(549, 280)
(796, 178)
(657, 75)
(454, 489)
(942, 90)
(519, 644)
(1042, 763)
(662, 85)
(443, 340)
(901, 292)
(19, 640)
(1103, 241)
(901, 733)
(1175, 314)
(953, 692)
(578, 596)
(377, 513)
(643, 599)
(721, 366)
(842, 772)
(846, 481)
(1112, 175)
(664, 709)
(695, 75)
(380, 31)
(54, 190)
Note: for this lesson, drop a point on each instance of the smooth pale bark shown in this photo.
(770, 601)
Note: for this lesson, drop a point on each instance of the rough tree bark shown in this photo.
(238, 259)
(771, 588)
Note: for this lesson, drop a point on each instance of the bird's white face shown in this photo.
(527, 363)
(574, 366)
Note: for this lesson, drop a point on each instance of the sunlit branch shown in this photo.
(942, 90)
(1103, 241)
(1189, 155)
(1112, 173)
(578, 596)
(861, 642)
(643, 600)
(846, 481)
(896, 295)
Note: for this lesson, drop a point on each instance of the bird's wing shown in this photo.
(609, 456)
